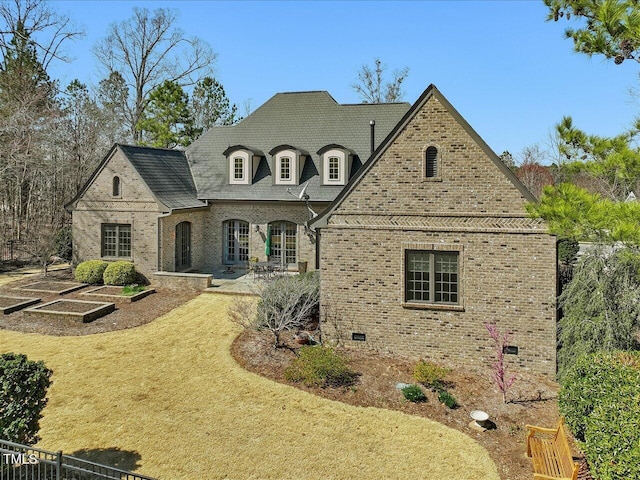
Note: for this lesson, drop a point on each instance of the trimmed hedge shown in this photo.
(90, 271)
(120, 273)
(600, 400)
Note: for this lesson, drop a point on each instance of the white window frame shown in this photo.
(326, 166)
(244, 157)
(293, 168)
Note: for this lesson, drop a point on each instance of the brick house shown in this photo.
(420, 242)
(214, 204)
(430, 241)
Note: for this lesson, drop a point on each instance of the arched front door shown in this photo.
(183, 246)
(283, 242)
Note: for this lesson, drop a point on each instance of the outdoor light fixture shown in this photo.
(256, 228)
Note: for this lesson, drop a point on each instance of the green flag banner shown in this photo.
(267, 245)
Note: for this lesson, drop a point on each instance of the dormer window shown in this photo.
(285, 169)
(116, 187)
(242, 164)
(288, 164)
(336, 164)
(334, 169)
(239, 169)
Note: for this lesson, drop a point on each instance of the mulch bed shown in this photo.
(70, 306)
(532, 399)
(6, 301)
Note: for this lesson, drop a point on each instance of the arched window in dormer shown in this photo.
(431, 162)
(336, 163)
(116, 187)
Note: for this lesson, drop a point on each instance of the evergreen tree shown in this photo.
(601, 305)
(112, 98)
(167, 121)
(607, 27)
(211, 106)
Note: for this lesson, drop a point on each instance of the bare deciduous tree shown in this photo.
(46, 29)
(371, 85)
(288, 303)
(148, 49)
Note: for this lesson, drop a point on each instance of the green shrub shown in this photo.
(90, 271)
(600, 400)
(24, 385)
(414, 394)
(120, 273)
(320, 367)
(448, 399)
(429, 374)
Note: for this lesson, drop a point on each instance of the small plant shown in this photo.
(447, 399)
(500, 377)
(119, 273)
(318, 366)
(91, 271)
(130, 290)
(414, 394)
(429, 374)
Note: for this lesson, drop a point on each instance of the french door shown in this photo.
(183, 246)
(283, 242)
(236, 241)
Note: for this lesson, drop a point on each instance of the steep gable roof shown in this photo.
(165, 172)
(307, 121)
(431, 91)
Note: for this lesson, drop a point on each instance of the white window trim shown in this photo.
(239, 154)
(341, 167)
(293, 167)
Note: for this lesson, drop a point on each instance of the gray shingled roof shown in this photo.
(166, 173)
(308, 121)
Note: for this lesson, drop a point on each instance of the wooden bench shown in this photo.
(549, 450)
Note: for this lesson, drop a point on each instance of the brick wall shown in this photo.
(507, 261)
(506, 279)
(135, 206)
(256, 214)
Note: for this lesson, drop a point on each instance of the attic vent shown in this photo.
(431, 162)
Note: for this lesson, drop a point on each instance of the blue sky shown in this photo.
(507, 71)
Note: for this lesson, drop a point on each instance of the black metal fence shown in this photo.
(20, 462)
(16, 251)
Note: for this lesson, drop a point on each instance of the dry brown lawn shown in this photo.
(168, 399)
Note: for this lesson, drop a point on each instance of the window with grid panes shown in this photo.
(285, 168)
(238, 168)
(116, 240)
(432, 277)
(334, 168)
